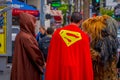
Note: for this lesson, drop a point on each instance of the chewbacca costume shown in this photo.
(103, 39)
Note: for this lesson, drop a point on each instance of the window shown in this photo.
(15, 20)
(15, 30)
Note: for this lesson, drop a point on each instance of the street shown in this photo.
(6, 74)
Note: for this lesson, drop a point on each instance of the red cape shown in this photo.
(69, 61)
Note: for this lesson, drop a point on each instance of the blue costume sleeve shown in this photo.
(37, 37)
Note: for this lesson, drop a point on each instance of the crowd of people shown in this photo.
(81, 50)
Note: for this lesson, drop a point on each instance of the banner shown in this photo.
(3, 27)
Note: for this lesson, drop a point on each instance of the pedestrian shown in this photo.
(69, 53)
(44, 44)
(103, 36)
(41, 33)
(45, 41)
(28, 61)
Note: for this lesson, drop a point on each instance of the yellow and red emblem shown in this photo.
(70, 37)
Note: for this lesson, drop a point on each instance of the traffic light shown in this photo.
(97, 1)
(1, 21)
(96, 6)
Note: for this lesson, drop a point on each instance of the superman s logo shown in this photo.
(70, 37)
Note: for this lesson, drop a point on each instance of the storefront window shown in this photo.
(15, 20)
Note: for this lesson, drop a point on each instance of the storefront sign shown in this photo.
(16, 12)
(56, 4)
(19, 7)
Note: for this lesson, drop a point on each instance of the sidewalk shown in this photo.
(6, 74)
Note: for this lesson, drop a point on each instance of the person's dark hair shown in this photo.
(42, 27)
(76, 17)
(50, 30)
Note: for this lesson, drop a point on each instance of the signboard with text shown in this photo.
(3, 25)
(16, 12)
(56, 4)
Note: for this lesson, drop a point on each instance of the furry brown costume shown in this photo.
(103, 36)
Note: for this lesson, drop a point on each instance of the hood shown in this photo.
(27, 23)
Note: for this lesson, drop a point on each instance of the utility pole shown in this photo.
(42, 13)
(86, 10)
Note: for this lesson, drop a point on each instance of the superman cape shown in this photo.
(69, 55)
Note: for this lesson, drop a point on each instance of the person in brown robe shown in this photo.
(28, 60)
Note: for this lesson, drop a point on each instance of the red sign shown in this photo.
(58, 18)
(16, 12)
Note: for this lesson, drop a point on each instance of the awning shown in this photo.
(56, 12)
(19, 7)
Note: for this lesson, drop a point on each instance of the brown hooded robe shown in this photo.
(27, 59)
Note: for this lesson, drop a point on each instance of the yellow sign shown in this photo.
(70, 37)
(3, 27)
